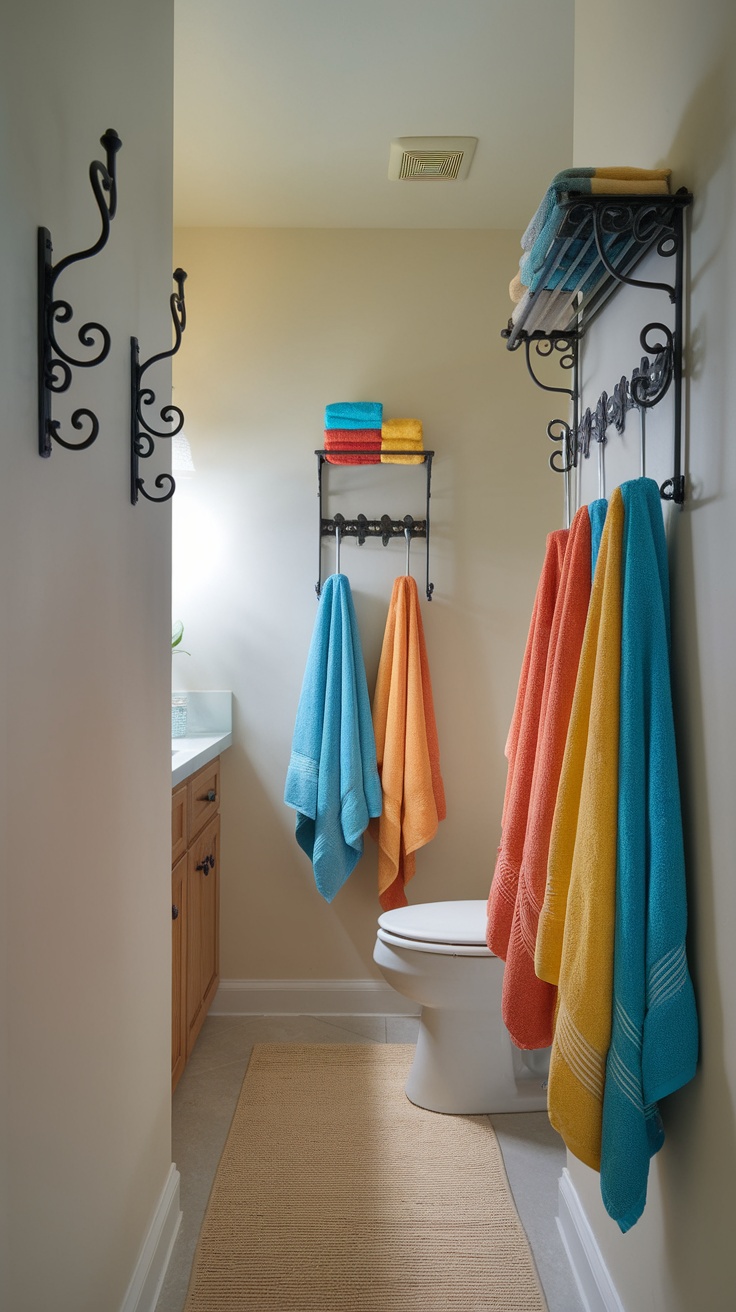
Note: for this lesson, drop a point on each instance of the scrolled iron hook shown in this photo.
(143, 433)
(55, 363)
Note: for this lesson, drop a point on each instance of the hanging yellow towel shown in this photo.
(407, 747)
(401, 435)
(583, 861)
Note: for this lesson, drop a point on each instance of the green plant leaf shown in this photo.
(177, 634)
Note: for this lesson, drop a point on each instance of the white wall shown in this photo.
(282, 322)
(85, 664)
(670, 100)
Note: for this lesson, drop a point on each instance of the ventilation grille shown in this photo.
(430, 163)
(430, 159)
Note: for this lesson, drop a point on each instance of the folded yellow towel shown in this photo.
(581, 871)
(607, 186)
(516, 288)
(627, 173)
(404, 430)
(401, 435)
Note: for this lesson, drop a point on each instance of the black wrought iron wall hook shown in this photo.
(142, 433)
(55, 364)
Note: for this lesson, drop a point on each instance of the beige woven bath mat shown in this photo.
(335, 1194)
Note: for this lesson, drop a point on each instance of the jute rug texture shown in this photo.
(335, 1194)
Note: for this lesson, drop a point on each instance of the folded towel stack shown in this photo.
(353, 428)
(580, 265)
(399, 436)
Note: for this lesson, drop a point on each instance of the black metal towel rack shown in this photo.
(384, 528)
(598, 243)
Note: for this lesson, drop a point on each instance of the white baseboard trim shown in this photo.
(309, 997)
(150, 1269)
(597, 1290)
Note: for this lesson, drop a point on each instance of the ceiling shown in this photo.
(285, 109)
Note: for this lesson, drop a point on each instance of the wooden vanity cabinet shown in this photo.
(195, 896)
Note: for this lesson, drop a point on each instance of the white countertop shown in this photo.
(209, 732)
(189, 754)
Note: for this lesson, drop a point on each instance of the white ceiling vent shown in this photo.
(430, 159)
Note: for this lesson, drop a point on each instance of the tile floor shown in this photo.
(205, 1100)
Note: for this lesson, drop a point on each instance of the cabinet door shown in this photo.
(178, 970)
(179, 822)
(203, 927)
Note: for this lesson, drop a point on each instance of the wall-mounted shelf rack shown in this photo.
(385, 527)
(597, 243)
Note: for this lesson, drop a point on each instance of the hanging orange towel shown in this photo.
(521, 749)
(407, 747)
(528, 1002)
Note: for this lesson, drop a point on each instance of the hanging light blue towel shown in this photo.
(654, 1038)
(332, 780)
(597, 511)
(354, 414)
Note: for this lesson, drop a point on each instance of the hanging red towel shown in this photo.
(521, 748)
(528, 1002)
(407, 747)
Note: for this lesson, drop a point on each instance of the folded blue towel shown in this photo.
(332, 780)
(597, 511)
(654, 1036)
(354, 414)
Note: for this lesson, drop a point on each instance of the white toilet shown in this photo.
(436, 955)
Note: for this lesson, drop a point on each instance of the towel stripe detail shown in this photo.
(666, 977)
(587, 1065)
(628, 1084)
(630, 1030)
(304, 764)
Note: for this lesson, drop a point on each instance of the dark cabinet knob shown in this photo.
(211, 796)
(174, 913)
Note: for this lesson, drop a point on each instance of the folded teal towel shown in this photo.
(654, 1036)
(354, 414)
(580, 264)
(561, 180)
(597, 511)
(332, 780)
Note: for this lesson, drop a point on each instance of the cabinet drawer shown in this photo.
(204, 796)
(179, 822)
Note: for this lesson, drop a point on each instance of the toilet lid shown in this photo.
(460, 923)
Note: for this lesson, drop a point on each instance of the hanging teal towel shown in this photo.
(654, 1037)
(597, 511)
(354, 414)
(332, 779)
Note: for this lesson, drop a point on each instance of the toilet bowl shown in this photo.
(435, 954)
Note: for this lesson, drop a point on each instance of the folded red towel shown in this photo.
(350, 442)
(354, 460)
(354, 437)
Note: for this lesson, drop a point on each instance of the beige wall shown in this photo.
(280, 323)
(85, 668)
(678, 109)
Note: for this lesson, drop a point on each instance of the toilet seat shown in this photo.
(455, 929)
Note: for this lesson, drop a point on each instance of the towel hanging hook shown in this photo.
(407, 535)
(339, 521)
